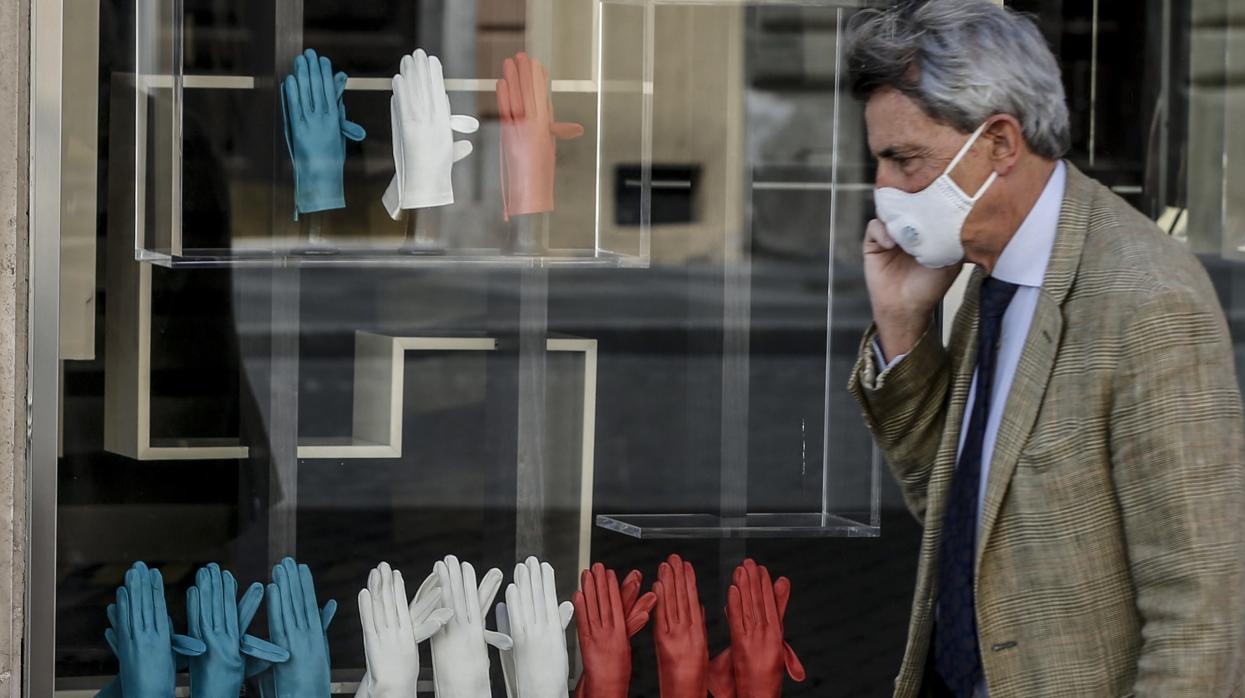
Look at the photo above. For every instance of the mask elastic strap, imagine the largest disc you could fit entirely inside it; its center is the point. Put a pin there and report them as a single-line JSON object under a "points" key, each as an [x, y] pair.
{"points": [[989, 180], [964, 151]]}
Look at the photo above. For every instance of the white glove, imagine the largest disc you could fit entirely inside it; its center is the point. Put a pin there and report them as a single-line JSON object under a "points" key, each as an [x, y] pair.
{"points": [[424, 149], [460, 664], [392, 633], [538, 667]]}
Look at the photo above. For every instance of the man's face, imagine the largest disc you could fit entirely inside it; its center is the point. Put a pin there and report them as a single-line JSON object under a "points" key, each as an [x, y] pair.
{"points": [[912, 149]]}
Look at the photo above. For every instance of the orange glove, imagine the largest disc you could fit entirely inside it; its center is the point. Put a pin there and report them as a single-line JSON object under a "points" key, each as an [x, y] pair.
{"points": [[608, 618], [722, 667], [529, 137], [682, 643], [758, 651]]}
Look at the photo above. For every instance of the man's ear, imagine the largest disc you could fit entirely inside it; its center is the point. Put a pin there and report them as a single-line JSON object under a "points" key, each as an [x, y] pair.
{"points": [[1007, 143]]}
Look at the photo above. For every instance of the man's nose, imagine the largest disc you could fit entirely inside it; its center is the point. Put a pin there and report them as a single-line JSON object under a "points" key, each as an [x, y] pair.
{"points": [[885, 176]]}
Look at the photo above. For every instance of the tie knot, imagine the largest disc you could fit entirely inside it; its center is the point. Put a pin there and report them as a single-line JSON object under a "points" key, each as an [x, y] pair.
{"points": [[995, 296]]}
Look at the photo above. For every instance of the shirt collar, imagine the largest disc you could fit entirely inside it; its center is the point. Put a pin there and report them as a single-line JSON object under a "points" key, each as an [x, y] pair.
{"points": [[1025, 258]]}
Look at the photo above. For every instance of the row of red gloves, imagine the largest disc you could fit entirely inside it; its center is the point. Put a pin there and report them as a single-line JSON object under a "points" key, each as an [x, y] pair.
{"points": [[609, 614]]}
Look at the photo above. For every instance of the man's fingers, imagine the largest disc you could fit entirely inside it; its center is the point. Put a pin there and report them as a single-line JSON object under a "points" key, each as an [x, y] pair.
{"points": [[877, 237]]}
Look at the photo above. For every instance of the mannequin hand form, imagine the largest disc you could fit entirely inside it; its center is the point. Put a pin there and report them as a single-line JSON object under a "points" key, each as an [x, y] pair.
{"points": [[142, 638], [722, 668], [609, 616], [392, 633], [215, 617], [460, 664], [679, 633], [902, 292], [529, 136], [296, 624]]}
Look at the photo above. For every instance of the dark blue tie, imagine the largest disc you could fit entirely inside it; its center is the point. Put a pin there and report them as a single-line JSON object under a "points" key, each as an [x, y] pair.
{"points": [[957, 656]]}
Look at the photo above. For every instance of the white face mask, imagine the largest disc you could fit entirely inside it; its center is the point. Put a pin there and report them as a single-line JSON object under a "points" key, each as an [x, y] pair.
{"points": [[927, 224]]}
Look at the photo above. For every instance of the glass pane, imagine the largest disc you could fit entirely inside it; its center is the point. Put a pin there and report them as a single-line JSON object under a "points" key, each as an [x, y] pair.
{"points": [[654, 365]]}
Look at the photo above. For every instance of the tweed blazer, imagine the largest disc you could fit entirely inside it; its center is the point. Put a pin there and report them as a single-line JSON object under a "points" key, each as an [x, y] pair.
{"points": [[1111, 554]]}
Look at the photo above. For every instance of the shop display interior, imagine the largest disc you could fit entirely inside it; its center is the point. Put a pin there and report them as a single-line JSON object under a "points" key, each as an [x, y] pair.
{"points": [[626, 334]]}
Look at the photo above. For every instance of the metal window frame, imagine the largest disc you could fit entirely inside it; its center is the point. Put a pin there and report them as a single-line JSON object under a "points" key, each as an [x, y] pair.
{"points": [[43, 363]]}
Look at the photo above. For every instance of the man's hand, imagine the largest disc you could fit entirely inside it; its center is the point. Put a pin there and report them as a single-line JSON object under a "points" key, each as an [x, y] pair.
{"points": [[903, 293]]}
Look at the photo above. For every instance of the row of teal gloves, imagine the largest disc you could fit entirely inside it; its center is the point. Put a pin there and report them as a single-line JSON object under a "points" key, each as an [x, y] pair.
{"points": [[218, 652]]}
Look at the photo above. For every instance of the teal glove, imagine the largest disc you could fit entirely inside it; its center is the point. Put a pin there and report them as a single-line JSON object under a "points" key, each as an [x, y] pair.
{"points": [[297, 624], [315, 132], [141, 636], [263, 670], [183, 647], [217, 618]]}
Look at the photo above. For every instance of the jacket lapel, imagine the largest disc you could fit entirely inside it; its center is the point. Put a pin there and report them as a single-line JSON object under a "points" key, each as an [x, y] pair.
{"points": [[1037, 360]]}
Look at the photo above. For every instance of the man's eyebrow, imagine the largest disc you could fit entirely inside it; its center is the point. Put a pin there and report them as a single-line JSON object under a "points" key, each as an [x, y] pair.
{"points": [[894, 151]]}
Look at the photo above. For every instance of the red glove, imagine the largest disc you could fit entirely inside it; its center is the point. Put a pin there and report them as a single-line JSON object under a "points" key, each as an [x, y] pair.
{"points": [[608, 618], [682, 643], [722, 667], [529, 136], [758, 652]]}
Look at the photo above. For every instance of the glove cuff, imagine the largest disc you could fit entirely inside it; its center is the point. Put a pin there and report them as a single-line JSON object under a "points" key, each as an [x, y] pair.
{"points": [[415, 197]]}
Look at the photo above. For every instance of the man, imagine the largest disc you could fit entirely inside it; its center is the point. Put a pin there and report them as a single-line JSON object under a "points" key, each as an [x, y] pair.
{"points": [[1075, 453]]}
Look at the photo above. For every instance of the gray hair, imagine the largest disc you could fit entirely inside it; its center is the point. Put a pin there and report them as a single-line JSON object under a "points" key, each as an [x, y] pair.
{"points": [[963, 61]]}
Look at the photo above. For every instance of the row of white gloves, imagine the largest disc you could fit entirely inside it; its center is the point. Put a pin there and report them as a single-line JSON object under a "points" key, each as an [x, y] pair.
{"points": [[449, 610]]}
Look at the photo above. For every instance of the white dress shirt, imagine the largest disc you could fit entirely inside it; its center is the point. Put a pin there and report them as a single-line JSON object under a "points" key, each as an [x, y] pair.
{"points": [[1023, 263]]}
